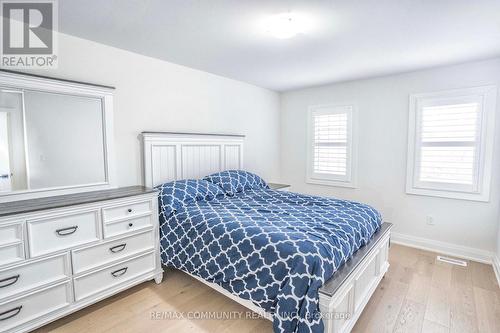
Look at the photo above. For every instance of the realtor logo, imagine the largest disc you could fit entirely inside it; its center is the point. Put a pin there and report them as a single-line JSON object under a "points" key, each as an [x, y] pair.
{"points": [[28, 34]]}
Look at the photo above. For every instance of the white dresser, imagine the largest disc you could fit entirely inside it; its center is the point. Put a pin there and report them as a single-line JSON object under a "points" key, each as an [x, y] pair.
{"points": [[60, 254]]}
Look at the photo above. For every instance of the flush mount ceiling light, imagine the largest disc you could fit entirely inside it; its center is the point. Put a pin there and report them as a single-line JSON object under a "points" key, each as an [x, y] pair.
{"points": [[285, 25]]}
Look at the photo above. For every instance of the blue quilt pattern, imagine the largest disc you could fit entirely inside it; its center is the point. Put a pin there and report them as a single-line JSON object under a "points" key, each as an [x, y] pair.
{"points": [[273, 248]]}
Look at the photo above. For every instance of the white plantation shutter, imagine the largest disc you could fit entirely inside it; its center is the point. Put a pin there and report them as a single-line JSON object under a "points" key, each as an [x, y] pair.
{"points": [[449, 143], [330, 145]]}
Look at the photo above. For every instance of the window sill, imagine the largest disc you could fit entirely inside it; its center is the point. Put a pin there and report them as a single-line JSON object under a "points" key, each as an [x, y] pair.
{"points": [[482, 197], [333, 183]]}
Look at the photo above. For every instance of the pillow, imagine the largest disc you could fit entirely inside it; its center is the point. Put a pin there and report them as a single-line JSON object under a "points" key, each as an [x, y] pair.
{"points": [[235, 181], [176, 194]]}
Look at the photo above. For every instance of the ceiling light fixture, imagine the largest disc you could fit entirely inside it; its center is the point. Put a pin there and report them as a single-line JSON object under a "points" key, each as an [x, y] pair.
{"points": [[285, 25]]}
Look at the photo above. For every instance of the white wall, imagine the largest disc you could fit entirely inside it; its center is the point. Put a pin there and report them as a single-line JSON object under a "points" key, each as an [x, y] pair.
{"points": [[382, 133], [498, 240], [154, 95]]}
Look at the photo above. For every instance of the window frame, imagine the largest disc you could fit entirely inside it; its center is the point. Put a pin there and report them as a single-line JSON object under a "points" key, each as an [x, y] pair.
{"points": [[349, 180], [478, 191]]}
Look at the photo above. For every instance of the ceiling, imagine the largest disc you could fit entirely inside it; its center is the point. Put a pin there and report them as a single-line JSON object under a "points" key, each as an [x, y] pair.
{"points": [[347, 39]]}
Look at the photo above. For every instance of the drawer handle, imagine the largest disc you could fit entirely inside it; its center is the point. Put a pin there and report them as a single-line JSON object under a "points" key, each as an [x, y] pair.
{"points": [[67, 231], [130, 210], [119, 272], [12, 279], [14, 310], [117, 248]]}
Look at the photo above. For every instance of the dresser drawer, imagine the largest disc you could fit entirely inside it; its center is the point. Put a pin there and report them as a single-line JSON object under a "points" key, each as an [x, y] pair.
{"points": [[127, 211], [27, 308], [102, 254], [52, 234], [11, 253], [33, 274], [11, 233], [107, 278], [112, 229]]}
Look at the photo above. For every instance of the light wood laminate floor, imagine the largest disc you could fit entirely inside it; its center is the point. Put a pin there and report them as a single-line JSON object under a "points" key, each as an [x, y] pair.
{"points": [[418, 294]]}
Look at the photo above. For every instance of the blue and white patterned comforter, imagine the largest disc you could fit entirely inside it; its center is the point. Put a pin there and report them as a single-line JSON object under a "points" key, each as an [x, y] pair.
{"points": [[273, 248]]}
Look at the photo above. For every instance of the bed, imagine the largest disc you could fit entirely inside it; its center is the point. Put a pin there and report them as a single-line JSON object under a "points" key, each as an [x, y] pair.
{"points": [[310, 262]]}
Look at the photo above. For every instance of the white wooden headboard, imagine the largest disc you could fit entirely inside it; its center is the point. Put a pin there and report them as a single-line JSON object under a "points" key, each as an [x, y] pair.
{"points": [[175, 156]]}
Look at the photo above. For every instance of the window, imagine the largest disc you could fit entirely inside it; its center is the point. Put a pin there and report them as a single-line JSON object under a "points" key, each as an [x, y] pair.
{"points": [[330, 146], [450, 143]]}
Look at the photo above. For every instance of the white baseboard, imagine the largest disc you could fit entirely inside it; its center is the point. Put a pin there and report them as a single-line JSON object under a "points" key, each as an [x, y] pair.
{"points": [[496, 267], [454, 250]]}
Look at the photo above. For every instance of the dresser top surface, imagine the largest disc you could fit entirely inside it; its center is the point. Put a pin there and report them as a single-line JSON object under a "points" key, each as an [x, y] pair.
{"points": [[33, 205]]}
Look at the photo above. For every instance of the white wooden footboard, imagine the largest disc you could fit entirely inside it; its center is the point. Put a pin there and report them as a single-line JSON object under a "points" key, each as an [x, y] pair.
{"points": [[341, 302]]}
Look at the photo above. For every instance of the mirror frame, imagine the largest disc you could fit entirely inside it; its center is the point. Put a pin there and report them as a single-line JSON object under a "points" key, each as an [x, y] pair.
{"points": [[22, 81]]}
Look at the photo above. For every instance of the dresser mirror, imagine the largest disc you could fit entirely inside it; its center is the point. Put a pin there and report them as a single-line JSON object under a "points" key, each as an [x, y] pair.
{"points": [[55, 136]]}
